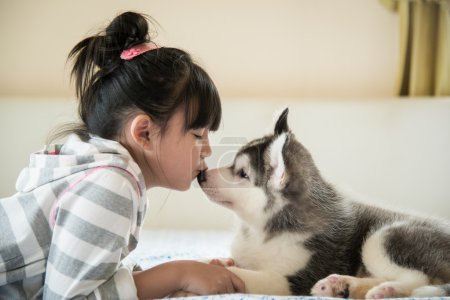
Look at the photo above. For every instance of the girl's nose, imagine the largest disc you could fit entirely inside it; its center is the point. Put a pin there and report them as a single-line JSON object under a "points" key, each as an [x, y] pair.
{"points": [[206, 149]]}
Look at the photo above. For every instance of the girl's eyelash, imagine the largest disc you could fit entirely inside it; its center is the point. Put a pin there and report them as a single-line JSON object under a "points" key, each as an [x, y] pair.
{"points": [[198, 133]]}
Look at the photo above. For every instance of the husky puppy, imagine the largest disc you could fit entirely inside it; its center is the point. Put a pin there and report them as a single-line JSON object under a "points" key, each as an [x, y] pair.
{"points": [[297, 230]]}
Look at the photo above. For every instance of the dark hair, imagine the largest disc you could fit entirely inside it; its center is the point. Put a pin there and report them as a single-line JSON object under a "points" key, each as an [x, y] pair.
{"points": [[157, 82]]}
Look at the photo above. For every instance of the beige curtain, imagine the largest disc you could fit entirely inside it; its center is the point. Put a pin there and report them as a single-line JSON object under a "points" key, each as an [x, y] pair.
{"points": [[424, 46]]}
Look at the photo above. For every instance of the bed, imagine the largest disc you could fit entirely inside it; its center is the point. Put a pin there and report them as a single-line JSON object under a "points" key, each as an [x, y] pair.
{"points": [[161, 245]]}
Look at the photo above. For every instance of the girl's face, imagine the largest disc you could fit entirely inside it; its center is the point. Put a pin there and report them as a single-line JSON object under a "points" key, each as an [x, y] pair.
{"points": [[177, 157]]}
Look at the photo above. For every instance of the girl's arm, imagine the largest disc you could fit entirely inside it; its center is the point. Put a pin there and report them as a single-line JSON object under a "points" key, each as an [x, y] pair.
{"points": [[92, 229], [188, 276], [93, 226]]}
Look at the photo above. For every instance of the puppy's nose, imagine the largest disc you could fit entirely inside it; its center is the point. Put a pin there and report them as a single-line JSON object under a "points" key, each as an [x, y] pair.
{"points": [[201, 177]]}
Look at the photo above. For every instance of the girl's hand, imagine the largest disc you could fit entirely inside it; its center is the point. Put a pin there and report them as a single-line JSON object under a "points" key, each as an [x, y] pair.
{"points": [[223, 262], [207, 279]]}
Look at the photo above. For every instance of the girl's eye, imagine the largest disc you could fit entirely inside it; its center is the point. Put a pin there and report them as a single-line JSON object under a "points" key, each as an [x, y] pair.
{"points": [[199, 134], [242, 174]]}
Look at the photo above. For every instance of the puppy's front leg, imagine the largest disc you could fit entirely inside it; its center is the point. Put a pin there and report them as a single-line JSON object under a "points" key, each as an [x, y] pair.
{"points": [[262, 282], [256, 282]]}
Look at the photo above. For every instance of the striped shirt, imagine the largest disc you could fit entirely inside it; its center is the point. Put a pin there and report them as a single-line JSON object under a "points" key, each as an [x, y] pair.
{"points": [[76, 215]]}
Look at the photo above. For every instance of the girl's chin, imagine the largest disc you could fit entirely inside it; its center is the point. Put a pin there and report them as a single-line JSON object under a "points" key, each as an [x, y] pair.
{"points": [[177, 186], [183, 186]]}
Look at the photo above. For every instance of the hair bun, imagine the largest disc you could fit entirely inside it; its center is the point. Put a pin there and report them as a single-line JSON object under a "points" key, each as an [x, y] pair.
{"points": [[126, 30]]}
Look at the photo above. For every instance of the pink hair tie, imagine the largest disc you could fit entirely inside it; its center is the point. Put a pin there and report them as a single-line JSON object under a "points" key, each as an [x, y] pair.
{"points": [[134, 51]]}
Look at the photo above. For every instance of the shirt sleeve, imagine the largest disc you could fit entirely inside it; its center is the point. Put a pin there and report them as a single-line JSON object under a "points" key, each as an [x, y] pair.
{"points": [[91, 233]]}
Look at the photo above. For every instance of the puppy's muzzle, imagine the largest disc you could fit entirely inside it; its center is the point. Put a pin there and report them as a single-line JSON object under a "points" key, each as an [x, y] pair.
{"points": [[201, 177]]}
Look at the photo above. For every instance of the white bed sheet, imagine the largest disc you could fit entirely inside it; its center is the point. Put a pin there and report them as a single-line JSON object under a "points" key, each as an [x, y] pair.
{"points": [[159, 246]]}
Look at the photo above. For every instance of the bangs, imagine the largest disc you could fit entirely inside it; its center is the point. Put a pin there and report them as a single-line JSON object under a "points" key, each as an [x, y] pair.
{"points": [[202, 101]]}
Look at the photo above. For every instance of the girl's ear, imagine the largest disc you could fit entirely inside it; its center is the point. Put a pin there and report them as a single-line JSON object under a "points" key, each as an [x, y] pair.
{"points": [[141, 129]]}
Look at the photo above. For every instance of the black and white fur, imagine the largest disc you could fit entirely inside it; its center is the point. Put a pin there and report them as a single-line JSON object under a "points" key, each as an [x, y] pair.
{"points": [[297, 230]]}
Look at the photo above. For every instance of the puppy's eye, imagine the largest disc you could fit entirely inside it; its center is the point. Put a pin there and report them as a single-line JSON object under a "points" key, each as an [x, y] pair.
{"points": [[242, 174]]}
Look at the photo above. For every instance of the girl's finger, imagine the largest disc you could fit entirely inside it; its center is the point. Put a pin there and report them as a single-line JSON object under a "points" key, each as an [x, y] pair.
{"points": [[230, 286], [215, 262], [238, 284], [229, 262]]}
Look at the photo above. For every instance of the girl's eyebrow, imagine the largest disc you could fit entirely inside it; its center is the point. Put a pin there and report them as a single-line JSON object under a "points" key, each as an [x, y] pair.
{"points": [[198, 129]]}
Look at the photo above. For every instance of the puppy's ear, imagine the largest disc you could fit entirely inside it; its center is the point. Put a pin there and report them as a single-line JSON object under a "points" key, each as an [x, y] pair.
{"points": [[278, 177], [282, 125]]}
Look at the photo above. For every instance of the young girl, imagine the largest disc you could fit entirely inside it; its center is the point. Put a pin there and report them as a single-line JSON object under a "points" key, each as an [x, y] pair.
{"points": [[146, 112]]}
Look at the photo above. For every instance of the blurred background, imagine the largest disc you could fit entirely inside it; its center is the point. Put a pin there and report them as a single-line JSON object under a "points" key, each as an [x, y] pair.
{"points": [[254, 48], [367, 83]]}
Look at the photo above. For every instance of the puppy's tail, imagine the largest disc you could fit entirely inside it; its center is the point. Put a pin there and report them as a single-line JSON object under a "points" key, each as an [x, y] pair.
{"points": [[432, 291]]}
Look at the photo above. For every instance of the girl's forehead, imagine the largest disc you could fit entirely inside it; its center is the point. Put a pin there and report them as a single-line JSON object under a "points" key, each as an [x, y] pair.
{"points": [[178, 120], [176, 125]]}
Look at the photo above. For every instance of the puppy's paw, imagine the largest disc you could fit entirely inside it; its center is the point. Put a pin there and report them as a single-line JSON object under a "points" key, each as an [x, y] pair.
{"points": [[386, 290], [332, 286], [223, 262]]}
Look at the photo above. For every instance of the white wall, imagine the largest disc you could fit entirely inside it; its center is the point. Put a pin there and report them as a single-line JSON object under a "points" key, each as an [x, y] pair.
{"points": [[24, 127], [392, 151], [252, 48]]}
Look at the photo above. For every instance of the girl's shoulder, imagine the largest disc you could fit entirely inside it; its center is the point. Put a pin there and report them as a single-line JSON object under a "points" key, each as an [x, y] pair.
{"points": [[99, 154]]}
